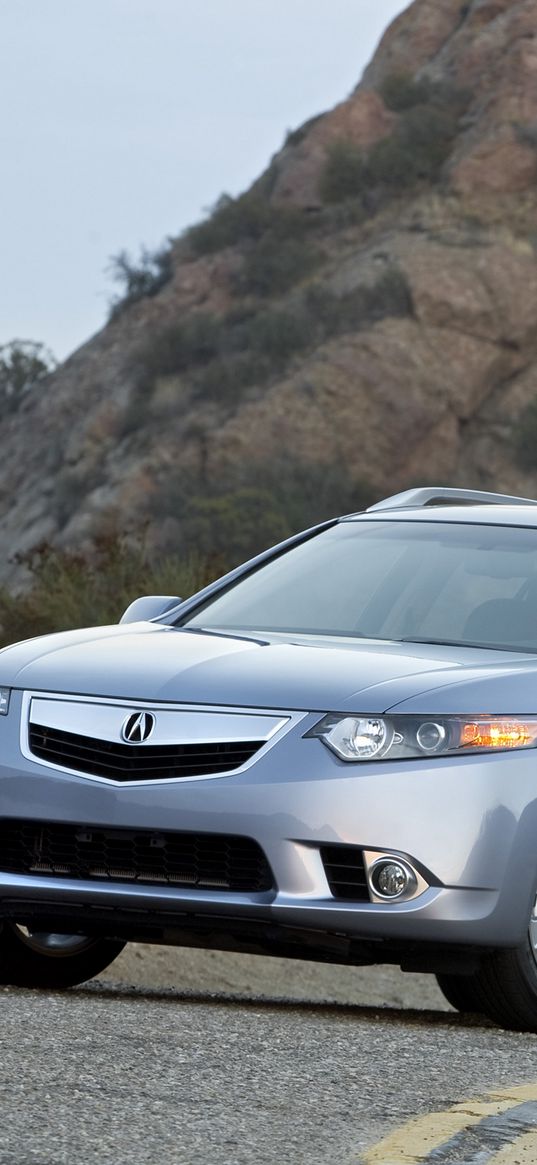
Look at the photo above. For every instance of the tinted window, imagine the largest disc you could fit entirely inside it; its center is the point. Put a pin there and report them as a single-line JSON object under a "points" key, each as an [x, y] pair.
{"points": [[393, 580]]}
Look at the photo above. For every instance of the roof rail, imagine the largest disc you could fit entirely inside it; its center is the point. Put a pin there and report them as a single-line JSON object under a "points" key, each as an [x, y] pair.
{"points": [[440, 496]]}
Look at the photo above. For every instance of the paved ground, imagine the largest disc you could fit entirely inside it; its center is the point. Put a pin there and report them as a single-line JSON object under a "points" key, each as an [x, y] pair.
{"points": [[242, 1063], [110, 1076]]}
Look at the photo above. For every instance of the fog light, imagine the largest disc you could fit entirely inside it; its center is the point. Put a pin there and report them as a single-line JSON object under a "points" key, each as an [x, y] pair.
{"points": [[391, 879]]}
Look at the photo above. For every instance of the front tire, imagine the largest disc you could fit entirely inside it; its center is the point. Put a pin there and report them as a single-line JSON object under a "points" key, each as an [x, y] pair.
{"points": [[461, 992], [505, 986], [32, 958]]}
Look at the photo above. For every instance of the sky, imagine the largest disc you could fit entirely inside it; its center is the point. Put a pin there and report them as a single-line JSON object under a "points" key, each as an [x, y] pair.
{"points": [[122, 121]]}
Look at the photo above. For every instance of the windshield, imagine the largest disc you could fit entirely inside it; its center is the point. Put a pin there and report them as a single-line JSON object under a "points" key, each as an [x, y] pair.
{"points": [[405, 581]]}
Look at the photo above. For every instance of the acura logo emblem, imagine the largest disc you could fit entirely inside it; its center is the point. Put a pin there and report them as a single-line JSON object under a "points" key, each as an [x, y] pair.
{"points": [[138, 727]]}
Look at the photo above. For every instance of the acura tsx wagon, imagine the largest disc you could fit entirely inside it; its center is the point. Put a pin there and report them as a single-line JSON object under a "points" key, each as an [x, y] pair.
{"points": [[328, 754]]}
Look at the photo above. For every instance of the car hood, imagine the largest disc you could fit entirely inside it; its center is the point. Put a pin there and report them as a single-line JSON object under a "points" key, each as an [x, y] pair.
{"points": [[154, 662]]}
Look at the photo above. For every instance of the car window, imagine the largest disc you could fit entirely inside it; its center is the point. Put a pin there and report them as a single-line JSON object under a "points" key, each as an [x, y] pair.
{"points": [[393, 580]]}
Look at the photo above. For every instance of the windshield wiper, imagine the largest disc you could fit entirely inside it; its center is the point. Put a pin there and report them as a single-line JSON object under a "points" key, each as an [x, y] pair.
{"points": [[462, 643], [222, 635]]}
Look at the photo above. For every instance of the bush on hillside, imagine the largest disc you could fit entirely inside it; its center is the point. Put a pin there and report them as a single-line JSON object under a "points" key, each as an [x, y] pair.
{"points": [[262, 348], [244, 219], [202, 339], [525, 438], [234, 525], [526, 133], [69, 589], [294, 137], [141, 278], [345, 173], [277, 334], [308, 492], [254, 353], [227, 378], [220, 358], [389, 295], [415, 151], [24, 364], [173, 348], [255, 504], [401, 91], [274, 265]]}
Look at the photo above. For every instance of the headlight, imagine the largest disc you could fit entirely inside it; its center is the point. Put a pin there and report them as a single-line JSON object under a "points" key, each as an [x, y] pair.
{"points": [[359, 738], [4, 701]]}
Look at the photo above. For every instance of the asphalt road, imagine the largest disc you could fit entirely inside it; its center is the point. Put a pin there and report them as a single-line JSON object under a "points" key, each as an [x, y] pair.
{"points": [[116, 1073]]}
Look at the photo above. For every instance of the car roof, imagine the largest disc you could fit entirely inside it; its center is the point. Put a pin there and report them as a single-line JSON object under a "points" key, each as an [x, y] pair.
{"points": [[489, 515], [453, 504]]}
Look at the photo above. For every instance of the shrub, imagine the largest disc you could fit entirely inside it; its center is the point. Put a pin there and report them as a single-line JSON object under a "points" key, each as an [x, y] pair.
{"points": [[253, 352], [308, 493], [244, 219], [401, 91], [139, 279], [345, 173], [254, 505], [72, 486], [220, 358], [260, 347], [231, 221], [74, 590], [296, 136], [253, 346], [277, 334], [391, 164], [525, 437], [275, 265], [415, 151], [526, 133], [226, 378], [235, 525], [389, 295], [172, 349], [24, 364]]}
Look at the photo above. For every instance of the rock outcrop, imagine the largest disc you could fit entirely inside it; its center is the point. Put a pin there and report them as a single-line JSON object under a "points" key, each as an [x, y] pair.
{"points": [[430, 380]]}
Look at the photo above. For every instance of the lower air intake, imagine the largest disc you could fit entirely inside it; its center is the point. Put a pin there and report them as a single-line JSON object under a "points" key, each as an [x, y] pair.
{"points": [[345, 872], [205, 861]]}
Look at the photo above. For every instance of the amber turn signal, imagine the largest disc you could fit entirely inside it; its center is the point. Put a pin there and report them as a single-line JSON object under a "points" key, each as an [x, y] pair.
{"points": [[498, 734]]}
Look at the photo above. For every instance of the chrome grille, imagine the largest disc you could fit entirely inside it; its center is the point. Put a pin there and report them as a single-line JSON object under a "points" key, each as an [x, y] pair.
{"points": [[196, 860], [142, 762]]}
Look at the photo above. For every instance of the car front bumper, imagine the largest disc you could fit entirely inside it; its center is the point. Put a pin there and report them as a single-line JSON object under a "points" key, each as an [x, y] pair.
{"points": [[468, 824]]}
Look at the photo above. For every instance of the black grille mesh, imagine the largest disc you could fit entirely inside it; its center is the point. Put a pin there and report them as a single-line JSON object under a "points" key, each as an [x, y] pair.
{"points": [[203, 860], [137, 762], [345, 872]]}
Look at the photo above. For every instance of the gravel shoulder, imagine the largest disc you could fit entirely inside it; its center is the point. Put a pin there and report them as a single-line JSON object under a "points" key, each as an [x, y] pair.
{"points": [[254, 976]]}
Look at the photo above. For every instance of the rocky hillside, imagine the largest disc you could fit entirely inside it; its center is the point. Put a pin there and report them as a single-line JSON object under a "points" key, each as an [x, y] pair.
{"points": [[364, 318]]}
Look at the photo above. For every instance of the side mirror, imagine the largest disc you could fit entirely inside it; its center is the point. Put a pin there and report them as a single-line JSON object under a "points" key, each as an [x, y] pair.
{"points": [[149, 607]]}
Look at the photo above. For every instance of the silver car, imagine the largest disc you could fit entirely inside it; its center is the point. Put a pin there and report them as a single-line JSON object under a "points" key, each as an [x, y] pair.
{"points": [[329, 754]]}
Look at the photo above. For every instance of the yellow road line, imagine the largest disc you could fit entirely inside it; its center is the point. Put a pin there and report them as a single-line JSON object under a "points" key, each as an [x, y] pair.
{"points": [[411, 1143]]}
